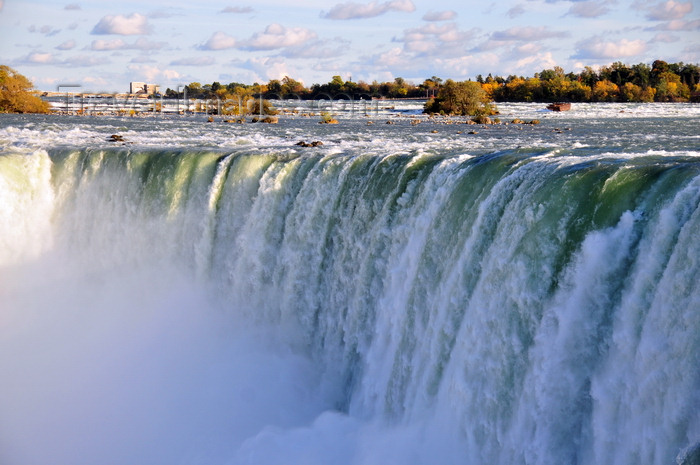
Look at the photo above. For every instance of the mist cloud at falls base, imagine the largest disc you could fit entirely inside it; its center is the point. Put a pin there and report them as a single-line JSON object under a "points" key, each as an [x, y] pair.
{"points": [[208, 308], [136, 367]]}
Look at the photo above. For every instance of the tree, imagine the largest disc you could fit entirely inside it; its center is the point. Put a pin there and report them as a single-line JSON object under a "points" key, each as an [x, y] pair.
{"points": [[398, 88], [589, 77], [617, 73], [671, 89], [605, 91], [291, 87], [460, 98], [17, 94], [641, 75], [274, 88], [195, 90], [630, 92]]}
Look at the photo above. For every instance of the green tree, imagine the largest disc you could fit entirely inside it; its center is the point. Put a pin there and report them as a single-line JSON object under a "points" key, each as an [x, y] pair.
{"points": [[195, 90], [617, 73], [671, 89], [555, 85], [399, 88], [641, 75], [17, 94], [460, 98], [589, 77], [292, 87], [274, 87]]}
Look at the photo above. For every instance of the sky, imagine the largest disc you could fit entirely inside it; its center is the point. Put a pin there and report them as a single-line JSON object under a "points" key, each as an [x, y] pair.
{"points": [[102, 46]]}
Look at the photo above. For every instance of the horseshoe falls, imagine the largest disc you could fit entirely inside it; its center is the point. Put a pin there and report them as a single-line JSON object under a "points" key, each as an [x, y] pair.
{"points": [[208, 293]]}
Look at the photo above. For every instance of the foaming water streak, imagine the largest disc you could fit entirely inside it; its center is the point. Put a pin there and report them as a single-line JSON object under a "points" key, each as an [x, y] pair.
{"points": [[351, 304]]}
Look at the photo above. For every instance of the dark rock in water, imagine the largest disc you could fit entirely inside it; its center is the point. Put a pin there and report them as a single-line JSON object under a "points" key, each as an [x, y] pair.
{"points": [[316, 143], [267, 119], [115, 138], [482, 119]]}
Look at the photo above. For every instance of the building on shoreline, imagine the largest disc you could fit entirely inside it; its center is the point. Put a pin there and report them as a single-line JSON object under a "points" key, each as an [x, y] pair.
{"points": [[143, 88]]}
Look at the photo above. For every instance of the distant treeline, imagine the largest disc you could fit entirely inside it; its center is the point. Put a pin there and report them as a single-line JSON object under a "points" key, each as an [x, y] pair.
{"points": [[660, 82]]}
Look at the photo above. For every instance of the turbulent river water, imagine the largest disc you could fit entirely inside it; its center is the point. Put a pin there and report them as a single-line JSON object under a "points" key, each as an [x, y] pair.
{"points": [[212, 293]]}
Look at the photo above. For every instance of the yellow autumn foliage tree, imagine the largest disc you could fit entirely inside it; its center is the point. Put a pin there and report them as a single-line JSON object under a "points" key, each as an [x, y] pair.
{"points": [[17, 94], [605, 91]]}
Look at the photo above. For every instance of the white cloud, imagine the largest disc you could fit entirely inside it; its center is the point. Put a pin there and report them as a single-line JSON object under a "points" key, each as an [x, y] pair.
{"points": [[142, 59], [92, 80], [669, 10], [141, 43], [67, 45], [690, 54], [598, 48], [539, 61], [318, 49], [39, 58], [107, 45], [218, 41], [440, 15], [444, 39], [84, 61], [396, 62], [45, 82], [134, 24], [237, 9], [43, 58], [72, 6], [678, 25], [162, 13], [351, 10], [46, 30], [529, 33], [194, 61], [142, 72], [516, 11], [267, 68], [529, 48], [519, 34], [277, 36], [588, 9], [665, 37], [395, 57]]}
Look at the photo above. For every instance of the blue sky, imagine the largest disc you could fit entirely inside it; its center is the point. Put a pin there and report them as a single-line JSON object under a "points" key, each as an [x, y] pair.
{"points": [[102, 46]]}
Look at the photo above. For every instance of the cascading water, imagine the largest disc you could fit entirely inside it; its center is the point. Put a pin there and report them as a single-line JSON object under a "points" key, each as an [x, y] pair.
{"points": [[531, 305]]}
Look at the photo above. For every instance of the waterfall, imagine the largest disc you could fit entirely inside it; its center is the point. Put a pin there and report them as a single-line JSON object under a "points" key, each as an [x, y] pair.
{"points": [[522, 306]]}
